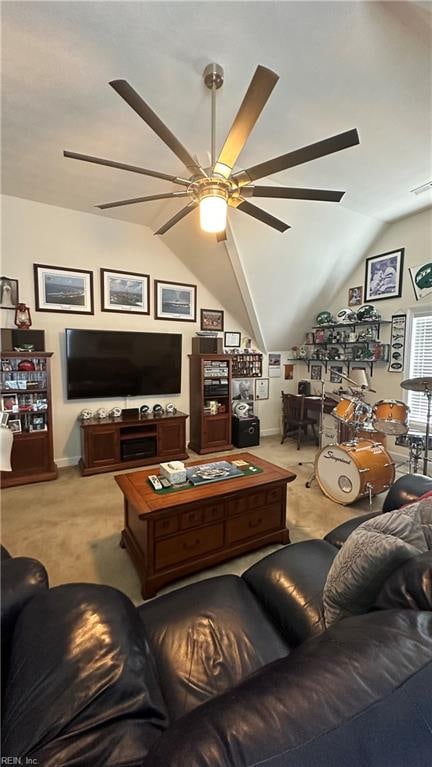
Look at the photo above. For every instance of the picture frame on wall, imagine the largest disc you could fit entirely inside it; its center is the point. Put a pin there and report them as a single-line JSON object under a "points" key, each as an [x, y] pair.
{"points": [[212, 319], [175, 301], [125, 292], [315, 372], [62, 289], [335, 374], [232, 339], [383, 275], [261, 388], [9, 294], [242, 389], [355, 296]]}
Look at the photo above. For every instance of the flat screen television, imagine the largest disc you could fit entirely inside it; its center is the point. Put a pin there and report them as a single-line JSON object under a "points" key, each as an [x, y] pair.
{"points": [[113, 363]]}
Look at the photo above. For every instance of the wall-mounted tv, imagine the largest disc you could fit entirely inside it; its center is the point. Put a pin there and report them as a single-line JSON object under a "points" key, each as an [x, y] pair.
{"points": [[112, 363]]}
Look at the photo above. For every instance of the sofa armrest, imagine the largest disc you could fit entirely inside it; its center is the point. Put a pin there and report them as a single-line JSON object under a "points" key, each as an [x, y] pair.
{"points": [[338, 536], [406, 490], [289, 584]]}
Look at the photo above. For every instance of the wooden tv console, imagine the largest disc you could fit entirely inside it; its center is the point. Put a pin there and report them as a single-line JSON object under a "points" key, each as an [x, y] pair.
{"points": [[170, 535], [121, 443]]}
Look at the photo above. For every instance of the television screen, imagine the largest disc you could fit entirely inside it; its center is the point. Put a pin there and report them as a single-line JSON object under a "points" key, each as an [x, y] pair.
{"points": [[111, 363]]}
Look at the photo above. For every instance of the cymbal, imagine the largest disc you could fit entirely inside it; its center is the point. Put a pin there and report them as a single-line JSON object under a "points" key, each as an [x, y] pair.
{"points": [[423, 383]]}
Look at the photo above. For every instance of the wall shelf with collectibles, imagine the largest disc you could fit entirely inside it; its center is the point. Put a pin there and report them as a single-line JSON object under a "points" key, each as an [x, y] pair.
{"points": [[348, 338]]}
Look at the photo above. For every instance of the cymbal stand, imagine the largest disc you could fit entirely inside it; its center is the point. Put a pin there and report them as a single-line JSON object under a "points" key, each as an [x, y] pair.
{"points": [[320, 433]]}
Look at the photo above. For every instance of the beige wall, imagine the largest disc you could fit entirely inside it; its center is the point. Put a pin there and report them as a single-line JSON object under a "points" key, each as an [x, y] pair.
{"points": [[37, 233]]}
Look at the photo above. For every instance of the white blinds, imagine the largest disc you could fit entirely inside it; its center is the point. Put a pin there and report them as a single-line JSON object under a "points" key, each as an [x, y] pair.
{"points": [[420, 365]]}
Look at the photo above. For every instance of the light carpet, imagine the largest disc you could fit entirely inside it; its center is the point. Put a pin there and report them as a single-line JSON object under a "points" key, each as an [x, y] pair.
{"points": [[73, 524]]}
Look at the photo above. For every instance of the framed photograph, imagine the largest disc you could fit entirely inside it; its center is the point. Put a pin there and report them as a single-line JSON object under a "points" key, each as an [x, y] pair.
{"points": [[315, 372], [242, 389], [383, 275], [4, 417], [261, 388], [15, 425], [60, 289], [38, 423], [10, 403], [232, 340], [8, 293], [212, 319], [126, 292], [289, 372], [355, 296], [175, 301], [335, 371]]}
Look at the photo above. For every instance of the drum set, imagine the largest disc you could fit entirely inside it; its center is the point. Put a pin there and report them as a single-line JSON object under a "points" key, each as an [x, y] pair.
{"points": [[362, 467]]}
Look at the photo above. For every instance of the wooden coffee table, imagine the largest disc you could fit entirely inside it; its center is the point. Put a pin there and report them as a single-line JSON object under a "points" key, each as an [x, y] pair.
{"points": [[171, 535]]}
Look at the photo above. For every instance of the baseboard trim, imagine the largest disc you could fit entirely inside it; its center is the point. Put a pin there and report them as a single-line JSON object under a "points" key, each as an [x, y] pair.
{"points": [[270, 432], [62, 463]]}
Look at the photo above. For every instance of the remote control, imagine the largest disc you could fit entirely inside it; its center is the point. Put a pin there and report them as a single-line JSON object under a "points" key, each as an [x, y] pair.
{"points": [[165, 482], [155, 482]]}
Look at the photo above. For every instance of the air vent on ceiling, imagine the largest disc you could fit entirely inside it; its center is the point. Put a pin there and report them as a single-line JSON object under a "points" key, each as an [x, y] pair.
{"points": [[422, 188]]}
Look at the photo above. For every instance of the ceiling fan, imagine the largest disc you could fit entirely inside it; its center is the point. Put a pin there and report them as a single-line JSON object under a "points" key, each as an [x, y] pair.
{"points": [[215, 188]]}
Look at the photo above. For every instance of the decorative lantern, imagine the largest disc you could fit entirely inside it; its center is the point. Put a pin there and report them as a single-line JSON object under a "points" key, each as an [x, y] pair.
{"points": [[22, 317]]}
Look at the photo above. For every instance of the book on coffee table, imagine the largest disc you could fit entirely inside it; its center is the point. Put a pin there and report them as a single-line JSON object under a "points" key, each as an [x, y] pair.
{"points": [[212, 472]]}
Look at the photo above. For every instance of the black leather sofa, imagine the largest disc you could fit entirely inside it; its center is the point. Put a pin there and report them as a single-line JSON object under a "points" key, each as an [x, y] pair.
{"points": [[226, 672]]}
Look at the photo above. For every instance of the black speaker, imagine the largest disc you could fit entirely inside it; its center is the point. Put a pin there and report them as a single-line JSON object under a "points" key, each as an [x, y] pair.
{"points": [[304, 387], [245, 431]]}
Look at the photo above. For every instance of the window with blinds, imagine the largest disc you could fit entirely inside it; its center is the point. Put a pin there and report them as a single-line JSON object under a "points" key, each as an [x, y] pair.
{"points": [[420, 365]]}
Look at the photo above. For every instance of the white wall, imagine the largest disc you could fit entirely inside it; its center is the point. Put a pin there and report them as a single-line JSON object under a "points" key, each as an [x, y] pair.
{"points": [[414, 233], [38, 233]]}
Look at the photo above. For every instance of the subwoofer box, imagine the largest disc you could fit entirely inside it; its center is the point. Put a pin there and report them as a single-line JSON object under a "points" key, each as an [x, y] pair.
{"points": [[245, 431], [12, 337], [207, 345]]}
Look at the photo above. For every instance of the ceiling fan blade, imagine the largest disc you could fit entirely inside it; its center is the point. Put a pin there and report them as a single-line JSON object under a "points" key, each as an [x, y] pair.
{"points": [[292, 193], [262, 215], [260, 88], [149, 198], [178, 217], [298, 157], [135, 101], [221, 236], [123, 166]]}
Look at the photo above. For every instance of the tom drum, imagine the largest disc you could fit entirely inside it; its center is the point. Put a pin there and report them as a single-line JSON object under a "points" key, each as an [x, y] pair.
{"points": [[346, 472], [390, 416]]}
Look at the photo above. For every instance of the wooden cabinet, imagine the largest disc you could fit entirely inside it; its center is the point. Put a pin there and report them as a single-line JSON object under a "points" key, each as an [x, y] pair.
{"points": [[210, 402], [26, 397], [121, 443]]}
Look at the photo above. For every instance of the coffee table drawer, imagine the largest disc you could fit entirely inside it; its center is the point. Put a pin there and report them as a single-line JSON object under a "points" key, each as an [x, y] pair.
{"points": [[253, 523], [166, 526], [189, 545], [191, 518], [237, 505], [214, 512]]}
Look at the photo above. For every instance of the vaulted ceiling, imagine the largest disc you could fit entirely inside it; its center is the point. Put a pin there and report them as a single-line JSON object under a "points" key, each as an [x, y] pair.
{"points": [[342, 65]]}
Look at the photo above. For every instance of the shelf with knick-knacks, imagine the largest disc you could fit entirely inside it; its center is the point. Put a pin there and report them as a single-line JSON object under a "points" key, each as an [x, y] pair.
{"points": [[348, 344]]}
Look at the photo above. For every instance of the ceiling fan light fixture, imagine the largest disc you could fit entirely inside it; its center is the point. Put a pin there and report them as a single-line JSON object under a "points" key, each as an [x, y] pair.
{"points": [[213, 206]]}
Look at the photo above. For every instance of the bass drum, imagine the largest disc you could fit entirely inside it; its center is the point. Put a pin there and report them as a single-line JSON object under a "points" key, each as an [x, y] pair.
{"points": [[345, 472]]}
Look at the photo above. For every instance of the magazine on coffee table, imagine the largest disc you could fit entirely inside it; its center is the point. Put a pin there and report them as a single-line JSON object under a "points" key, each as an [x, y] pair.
{"points": [[212, 472]]}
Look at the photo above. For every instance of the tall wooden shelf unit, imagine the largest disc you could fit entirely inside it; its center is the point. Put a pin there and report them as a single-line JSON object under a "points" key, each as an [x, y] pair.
{"points": [[210, 380], [32, 456]]}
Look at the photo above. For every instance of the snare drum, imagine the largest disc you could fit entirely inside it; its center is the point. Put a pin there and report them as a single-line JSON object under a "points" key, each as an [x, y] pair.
{"points": [[346, 472], [391, 416]]}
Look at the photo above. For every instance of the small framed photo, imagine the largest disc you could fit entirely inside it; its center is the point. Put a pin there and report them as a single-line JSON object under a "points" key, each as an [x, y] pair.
{"points": [[355, 296], [38, 422], [61, 289], [10, 403], [4, 417], [126, 292], [315, 372], [175, 301], [261, 388], [335, 373], [383, 275], [15, 425], [8, 293], [232, 340], [212, 319]]}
